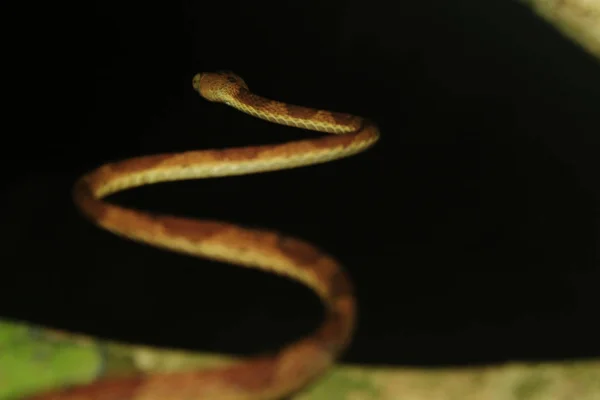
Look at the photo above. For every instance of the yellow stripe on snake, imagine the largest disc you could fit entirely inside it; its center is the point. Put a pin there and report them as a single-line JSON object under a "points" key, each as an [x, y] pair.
{"points": [[266, 377]]}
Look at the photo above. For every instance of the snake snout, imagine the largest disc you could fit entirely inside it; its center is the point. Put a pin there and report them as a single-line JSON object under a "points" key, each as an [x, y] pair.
{"points": [[218, 87], [196, 81], [205, 84]]}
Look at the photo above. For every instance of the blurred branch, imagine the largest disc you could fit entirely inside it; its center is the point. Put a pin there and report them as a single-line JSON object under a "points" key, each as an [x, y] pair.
{"points": [[577, 19], [34, 360]]}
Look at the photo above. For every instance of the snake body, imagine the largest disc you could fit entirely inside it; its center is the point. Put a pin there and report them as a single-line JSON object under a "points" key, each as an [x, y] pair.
{"points": [[263, 377]]}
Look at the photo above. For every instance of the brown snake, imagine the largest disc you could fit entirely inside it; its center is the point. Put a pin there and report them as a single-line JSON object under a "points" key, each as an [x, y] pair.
{"points": [[263, 377]]}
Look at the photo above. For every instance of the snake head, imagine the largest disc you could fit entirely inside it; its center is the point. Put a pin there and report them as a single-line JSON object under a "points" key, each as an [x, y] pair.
{"points": [[218, 86]]}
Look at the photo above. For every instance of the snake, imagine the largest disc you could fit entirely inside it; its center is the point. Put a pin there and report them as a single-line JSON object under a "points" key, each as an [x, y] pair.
{"points": [[295, 366]]}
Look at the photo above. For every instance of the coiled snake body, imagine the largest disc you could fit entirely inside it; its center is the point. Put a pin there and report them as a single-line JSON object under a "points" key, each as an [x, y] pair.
{"points": [[264, 377]]}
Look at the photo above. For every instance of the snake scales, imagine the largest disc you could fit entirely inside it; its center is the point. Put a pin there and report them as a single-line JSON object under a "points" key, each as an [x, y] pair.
{"points": [[263, 377]]}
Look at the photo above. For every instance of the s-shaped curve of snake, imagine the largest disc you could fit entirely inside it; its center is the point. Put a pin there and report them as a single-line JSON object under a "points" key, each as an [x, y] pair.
{"points": [[263, 377]]}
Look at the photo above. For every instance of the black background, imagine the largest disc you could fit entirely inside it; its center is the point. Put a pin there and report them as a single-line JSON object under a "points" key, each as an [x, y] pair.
{"points": [[470, 230]]}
